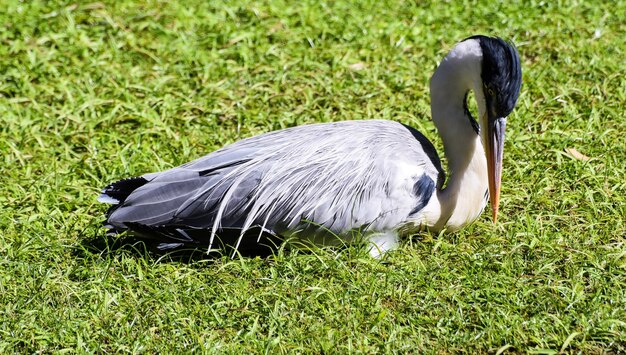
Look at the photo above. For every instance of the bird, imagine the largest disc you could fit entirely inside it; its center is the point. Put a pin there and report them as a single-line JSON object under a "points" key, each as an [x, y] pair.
{"points": [[330, 183]]}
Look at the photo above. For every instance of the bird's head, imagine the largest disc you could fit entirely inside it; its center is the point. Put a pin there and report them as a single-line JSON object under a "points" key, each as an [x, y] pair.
{"points": [[501, 76]]}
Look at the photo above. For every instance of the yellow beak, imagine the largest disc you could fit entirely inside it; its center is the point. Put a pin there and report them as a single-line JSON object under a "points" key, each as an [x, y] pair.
{"points": [[495, 152]]}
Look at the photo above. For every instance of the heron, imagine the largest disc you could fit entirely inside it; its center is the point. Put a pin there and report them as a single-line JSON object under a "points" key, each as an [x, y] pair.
{"points": [[322, 182]]}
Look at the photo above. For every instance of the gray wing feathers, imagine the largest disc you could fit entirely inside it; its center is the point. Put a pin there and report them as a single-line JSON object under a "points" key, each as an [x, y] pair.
{"points": [[338, 176], [153, 203]]}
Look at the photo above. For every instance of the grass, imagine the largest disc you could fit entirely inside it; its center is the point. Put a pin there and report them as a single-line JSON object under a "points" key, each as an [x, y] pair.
{"points": [[94, 91]]}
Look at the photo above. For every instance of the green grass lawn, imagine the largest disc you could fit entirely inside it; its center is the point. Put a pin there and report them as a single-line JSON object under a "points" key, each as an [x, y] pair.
{"points": [[94, 91]]}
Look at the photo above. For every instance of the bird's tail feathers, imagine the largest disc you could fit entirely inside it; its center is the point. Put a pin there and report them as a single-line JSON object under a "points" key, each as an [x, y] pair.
{"points": [[118, 191]]}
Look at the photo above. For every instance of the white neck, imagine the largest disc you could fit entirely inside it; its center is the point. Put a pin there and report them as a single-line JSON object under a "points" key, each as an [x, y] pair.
{"points": [[463, 198]]}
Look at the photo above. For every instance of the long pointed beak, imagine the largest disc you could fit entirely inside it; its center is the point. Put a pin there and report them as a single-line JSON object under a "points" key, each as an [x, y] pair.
{"points": [[495, 152]]}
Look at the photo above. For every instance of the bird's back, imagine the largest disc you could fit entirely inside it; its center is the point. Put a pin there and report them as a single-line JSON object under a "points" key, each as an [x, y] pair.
{"points": [[312, 179]]}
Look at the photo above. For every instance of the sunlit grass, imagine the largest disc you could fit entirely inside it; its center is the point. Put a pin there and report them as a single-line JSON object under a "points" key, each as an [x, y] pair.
{"points": [[94, 91]]}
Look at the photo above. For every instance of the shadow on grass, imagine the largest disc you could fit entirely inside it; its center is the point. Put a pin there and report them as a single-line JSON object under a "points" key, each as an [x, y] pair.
{"points": [[104, 245], [253, 244]]}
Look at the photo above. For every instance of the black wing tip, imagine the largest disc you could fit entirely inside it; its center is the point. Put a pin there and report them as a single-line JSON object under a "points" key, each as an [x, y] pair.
{"points": [[117, 192]]}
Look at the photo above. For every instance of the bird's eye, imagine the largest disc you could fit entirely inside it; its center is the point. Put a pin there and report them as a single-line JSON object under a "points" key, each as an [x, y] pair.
{"points": [[491, 92]]}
